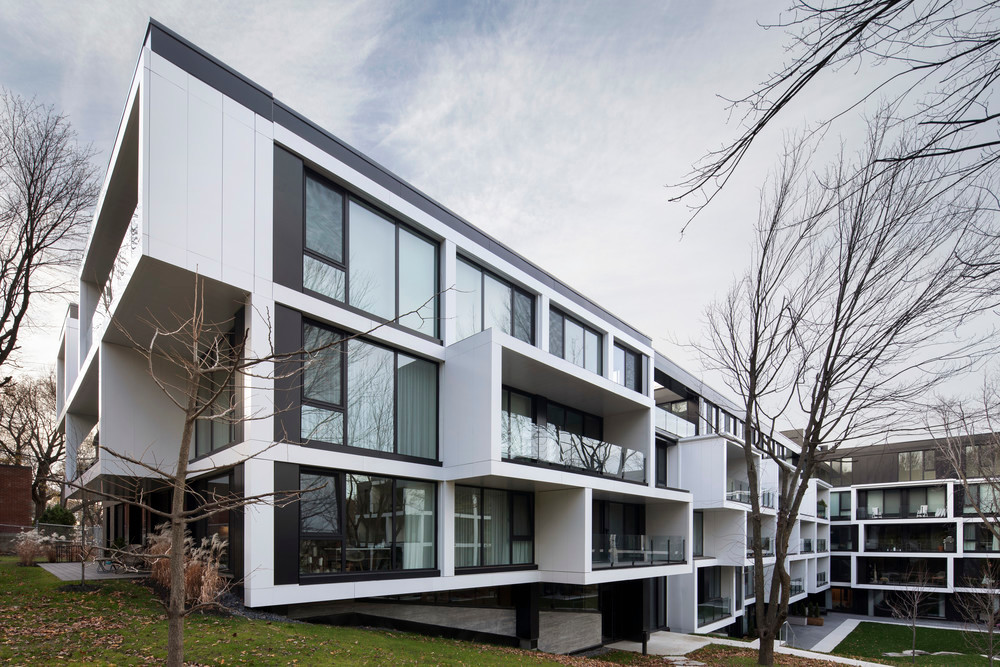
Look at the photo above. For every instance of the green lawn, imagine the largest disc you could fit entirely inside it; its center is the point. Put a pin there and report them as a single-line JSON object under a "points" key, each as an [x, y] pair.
{"points": [[121, 623], [870, 640]]}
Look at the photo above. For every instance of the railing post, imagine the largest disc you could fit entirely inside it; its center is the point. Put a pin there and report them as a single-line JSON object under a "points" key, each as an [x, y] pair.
{"points": [[612, 550]]}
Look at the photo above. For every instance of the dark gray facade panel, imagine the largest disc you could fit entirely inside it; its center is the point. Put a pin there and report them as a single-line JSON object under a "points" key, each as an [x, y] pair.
{"points": [[287, 225], [165, 42], [288, 380], [286, 525]]}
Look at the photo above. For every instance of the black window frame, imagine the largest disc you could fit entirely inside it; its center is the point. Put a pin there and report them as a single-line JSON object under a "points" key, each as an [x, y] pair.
{"points": [[639, 368], [340, 477], [558, 312], [235, 424], [344, 388], [512, 536], [347, 197], [514, 291]]}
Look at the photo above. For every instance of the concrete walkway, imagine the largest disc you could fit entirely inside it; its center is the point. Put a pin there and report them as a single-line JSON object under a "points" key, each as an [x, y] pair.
{"points": [[71, 572], [677, 644]]}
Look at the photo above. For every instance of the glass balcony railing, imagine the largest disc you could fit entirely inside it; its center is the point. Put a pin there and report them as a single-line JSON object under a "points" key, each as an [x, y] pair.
{"points": [[821, 511], [712, 610], [945, 545], [738, 491], [796, 586], [529, 442], [821, 578], [767, 546], [807, 546], [636, 550], [672, 423], [821, 545]]}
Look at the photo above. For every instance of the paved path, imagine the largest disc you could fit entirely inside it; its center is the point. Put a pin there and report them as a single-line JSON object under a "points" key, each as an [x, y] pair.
{"points": [[71, 572], [677, 644]]}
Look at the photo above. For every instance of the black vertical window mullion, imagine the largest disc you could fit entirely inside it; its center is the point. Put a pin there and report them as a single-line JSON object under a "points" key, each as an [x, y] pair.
{"points": [[345, 206], [395, 384], [396, 287]]}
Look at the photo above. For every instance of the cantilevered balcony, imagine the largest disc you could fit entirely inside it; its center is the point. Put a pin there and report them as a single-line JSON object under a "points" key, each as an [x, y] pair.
{"points": [[535, 444], [612, 550], [713, 609]]}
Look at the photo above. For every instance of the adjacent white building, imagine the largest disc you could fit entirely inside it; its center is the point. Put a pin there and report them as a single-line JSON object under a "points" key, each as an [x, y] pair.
{"points": [[488, 440]]}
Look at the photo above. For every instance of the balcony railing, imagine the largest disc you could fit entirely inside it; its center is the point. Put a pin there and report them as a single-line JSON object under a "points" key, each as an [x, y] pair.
{"points": [[547, 444], [918, 512], [821, 578], [807, 546], [672, 423], [821, 545], [907, 578], [635, 550], [766, 545], [946, 545], [738, 491], [712, 610], [796, 587], [821, 511]]}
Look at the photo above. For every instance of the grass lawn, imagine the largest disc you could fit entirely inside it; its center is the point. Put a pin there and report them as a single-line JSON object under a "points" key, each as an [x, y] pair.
{"points": [[121, 623], [871, 640]]}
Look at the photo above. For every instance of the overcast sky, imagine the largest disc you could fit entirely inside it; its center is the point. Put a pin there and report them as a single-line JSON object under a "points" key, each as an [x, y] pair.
{"points": [[555, 127]]}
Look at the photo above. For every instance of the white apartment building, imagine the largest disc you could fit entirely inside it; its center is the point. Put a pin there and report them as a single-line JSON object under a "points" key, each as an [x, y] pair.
{"points": [[496, 453]]}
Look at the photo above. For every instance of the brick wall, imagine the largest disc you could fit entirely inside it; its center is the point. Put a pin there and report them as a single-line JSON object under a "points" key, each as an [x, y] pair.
{"points": [[15, 495]]}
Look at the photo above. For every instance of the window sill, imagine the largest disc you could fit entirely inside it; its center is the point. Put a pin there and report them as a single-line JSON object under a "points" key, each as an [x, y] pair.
{"points": [[345, 577], [491, 569]]}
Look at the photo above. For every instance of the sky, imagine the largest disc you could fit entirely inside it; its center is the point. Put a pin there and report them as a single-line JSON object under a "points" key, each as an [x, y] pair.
{"points": [[555, 127]]}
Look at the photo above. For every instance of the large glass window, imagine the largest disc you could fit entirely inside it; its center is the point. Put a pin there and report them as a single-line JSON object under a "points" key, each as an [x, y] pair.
{"points": [[493, 527], [363, 523], [485, 300], [698, 534], [915, 466], [389, 270], [628, 368], [575, 342], [391, 397]]}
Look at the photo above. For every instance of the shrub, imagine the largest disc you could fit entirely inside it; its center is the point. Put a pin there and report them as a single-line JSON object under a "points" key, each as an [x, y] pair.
{"points": [[28, 546], [57, 514]]}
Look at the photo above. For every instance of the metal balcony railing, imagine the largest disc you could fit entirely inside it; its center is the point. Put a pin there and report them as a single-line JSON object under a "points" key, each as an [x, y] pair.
{"points": [[547, 444], [611, 550]]}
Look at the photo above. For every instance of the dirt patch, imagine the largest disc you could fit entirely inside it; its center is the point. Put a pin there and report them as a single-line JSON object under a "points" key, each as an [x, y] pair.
{"points": [[79, 588]]}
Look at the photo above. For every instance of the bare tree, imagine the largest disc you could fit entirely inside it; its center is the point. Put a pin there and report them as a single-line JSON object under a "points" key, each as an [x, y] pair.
{"points": [[29, 434], [981, 611], [47, 193], [940, 62], [906, 603], [852, 310]]}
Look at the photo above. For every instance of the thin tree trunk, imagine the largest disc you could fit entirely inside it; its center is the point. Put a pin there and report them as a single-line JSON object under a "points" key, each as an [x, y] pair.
{"points": [[913, 649], [175, 605]]}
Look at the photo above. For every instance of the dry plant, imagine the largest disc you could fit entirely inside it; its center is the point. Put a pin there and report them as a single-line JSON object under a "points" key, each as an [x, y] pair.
{"points": [[28, 546]]}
